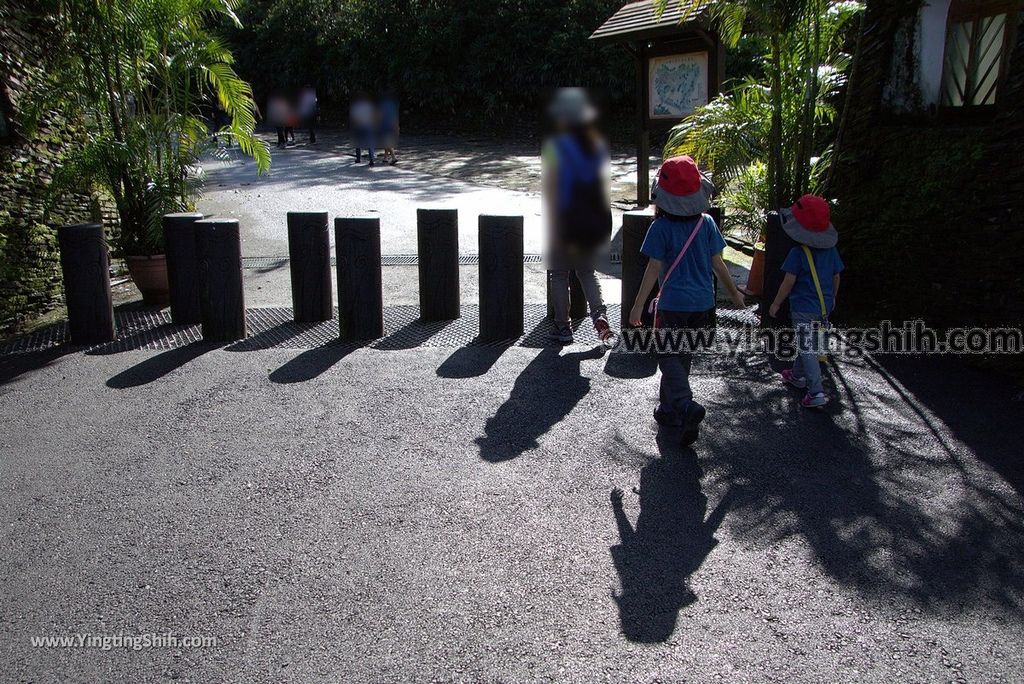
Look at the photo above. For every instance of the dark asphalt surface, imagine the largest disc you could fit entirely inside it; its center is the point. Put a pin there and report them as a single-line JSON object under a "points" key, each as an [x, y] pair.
{"points": [[445, 514]]}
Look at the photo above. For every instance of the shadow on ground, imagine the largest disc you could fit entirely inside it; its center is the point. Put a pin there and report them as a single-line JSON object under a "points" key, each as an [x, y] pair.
{"points": [[543, 394], [156, 367], [888, 501], [672, 537], [13, 366], [311, 364]]}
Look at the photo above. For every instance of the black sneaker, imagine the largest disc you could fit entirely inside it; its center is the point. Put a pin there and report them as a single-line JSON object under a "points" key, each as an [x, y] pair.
{"points": [[667, 418], [691, 422], [562, 335]]}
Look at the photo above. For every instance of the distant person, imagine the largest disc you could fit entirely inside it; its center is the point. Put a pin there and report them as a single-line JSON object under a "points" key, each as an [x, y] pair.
{"points": [[309, 110], [684, 250], [221, 122], [577, 203], [279, 116], [291, 121], [363, 116], [811, 284], [389, 127]]}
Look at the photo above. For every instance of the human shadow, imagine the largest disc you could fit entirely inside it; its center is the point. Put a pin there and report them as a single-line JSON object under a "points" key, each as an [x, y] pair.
{"points": [[313, 363], [158, 366], [544, 393], [673, 535]]}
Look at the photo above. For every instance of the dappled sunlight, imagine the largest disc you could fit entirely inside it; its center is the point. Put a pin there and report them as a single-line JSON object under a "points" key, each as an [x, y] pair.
{"points": [[888, 501]]}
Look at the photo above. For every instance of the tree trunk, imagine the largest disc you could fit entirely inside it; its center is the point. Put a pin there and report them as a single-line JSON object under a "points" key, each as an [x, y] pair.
{"points": [[776, 160]]}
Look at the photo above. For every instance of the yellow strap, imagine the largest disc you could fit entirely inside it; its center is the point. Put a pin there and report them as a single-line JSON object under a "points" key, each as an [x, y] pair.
{"points": [[817, 283]]}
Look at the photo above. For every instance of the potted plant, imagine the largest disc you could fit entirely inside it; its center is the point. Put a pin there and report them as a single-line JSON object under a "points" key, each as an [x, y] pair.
{"points": [[143, 78]]}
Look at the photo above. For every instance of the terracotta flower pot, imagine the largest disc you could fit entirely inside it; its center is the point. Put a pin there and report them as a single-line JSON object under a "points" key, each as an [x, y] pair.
{"points": [[755, 280], [150, 276]]}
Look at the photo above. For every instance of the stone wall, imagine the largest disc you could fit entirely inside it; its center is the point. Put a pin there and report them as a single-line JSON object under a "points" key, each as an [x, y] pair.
{"points": [[30, 282], [929, 209]]}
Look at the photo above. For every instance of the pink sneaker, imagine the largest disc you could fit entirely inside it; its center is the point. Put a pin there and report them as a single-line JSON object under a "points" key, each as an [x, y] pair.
{"points": [[604, 331], [814, 400], [790, 379]]}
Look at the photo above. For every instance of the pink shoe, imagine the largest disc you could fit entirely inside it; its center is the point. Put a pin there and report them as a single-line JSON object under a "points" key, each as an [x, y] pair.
{"points": [[814, 400], [790, 379], [604, 331]]}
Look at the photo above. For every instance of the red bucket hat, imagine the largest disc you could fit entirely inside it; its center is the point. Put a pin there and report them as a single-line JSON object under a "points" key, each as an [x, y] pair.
{"points": [[680, 188], [809, 222]]}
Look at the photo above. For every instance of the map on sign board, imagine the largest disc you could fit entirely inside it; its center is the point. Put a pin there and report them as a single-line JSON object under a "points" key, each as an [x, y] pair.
{"points": [[678, 84]]}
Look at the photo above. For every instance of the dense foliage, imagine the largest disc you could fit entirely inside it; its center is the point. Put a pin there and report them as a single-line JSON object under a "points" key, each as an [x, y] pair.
{"points": [[142, 77], [458, 60], [769, 140]]}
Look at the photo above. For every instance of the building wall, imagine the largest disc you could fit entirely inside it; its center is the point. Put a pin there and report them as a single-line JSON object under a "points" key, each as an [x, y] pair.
{"points": [[30, 282], [929, 211]]}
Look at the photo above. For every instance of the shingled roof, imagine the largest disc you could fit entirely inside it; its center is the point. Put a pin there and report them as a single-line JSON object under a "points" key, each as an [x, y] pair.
{"points": [[638, 21]]}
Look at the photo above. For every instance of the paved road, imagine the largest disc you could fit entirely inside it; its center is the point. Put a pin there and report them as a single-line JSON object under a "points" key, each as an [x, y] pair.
{"points": [[325, 177], [444, 515], [414, 513]]}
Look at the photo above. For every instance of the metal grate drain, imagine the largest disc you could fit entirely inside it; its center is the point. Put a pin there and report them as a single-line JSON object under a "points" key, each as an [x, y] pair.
{"points": [[274, 262], [273, 328]]}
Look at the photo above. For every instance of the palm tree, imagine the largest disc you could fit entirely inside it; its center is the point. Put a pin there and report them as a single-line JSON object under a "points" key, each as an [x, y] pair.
{"points": [[141, 76], [778, 122]]}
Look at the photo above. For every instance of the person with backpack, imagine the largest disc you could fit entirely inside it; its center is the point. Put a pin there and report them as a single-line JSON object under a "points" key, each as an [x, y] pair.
{"points": [[363, 115], [684, 249], [576, 198], [811, 284]]}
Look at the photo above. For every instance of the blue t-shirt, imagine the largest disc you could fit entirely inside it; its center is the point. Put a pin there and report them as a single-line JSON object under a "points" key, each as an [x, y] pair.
{"points": [[804, 297], [691, 286]]}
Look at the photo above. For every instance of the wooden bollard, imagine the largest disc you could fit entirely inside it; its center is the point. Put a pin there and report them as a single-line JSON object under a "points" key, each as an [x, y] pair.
{"points": [[777, 246], [634, 229], [437, 241], [716, 214], [501, 278], [182, 267], [577, 299], [221, 296], [85, 263], [360, 291], [309, 258]]}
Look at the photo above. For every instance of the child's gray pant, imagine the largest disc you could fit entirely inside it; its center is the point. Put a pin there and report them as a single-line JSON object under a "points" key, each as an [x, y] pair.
{"points": [[806, 364]]}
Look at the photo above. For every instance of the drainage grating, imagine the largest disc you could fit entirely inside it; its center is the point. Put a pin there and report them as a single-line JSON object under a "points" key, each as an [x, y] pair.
{"points": [[275, 262], [273, 328]]}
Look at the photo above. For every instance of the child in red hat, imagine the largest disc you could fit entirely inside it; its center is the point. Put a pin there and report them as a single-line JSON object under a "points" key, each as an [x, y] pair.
{"points": [[811, 285], [684, 248]]}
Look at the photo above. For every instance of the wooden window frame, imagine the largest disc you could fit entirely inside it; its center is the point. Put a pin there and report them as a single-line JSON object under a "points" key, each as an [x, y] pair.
{"points": [[961, 11]]}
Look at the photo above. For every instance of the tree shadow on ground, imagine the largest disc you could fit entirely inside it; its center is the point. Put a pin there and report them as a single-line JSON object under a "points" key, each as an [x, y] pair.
{"points": [[985, 412], [544, 393], [886, 499], [306, 168], [672, 537]]}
